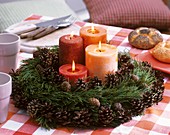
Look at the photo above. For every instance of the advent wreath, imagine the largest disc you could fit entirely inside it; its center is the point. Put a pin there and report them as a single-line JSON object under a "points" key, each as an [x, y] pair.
{"points": [[52, 102]]}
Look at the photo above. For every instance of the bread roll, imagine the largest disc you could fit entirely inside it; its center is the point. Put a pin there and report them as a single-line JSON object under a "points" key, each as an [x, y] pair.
{"points": [[161, 52], [145, 38]]}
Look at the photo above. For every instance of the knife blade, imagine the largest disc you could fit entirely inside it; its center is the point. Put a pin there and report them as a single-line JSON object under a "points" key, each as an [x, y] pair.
{"points": [[29, 27]]}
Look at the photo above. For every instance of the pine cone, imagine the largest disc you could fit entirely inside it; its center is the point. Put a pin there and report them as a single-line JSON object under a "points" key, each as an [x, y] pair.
{"points": [[157, 91], [40, 69], [146, 64], [47, 111], [126, 68], [94, 82], [135, 77], [94, 101], [21, 101], [36, 54], [123, 58], [148, 99], [65, 86], [80, 85], [34, 108], [47, 74], [62, 117], [47, 58], [55, 60], [106, 115], [119, 110], [113, 80], [122, 115], [116, 78], [137, 107], [82, 118], [57, 78]]}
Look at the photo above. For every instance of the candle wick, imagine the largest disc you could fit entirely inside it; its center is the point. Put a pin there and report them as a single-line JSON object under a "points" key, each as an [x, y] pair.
{"points": [[100, 50], [93, 31]]}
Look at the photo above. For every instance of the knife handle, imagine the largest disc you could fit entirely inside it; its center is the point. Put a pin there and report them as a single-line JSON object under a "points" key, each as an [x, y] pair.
{"points": [[21, 29]]}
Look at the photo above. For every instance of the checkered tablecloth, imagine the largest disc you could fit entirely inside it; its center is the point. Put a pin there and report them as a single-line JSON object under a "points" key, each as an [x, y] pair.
{"points": [[155, 121]]}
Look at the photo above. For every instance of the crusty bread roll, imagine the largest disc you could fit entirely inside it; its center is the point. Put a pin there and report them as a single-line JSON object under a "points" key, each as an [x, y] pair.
{"points": [[145, 38], [161, 52]]}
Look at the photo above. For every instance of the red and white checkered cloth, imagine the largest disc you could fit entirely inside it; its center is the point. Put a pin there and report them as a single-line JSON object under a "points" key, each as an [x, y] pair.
{"points": [[155, 121]]}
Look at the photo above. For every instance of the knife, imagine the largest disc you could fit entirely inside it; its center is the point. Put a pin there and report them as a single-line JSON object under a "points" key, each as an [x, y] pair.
{"points": [[30, 27]]}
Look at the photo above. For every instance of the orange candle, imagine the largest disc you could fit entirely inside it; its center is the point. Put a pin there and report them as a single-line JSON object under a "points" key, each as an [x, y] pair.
{"points": [[93, 34], [73, 72], [71, 48], [101, 59]]}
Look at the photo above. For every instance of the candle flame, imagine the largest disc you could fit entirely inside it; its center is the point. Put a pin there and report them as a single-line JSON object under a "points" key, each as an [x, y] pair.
{"points": [[73, 66], [100, 46], [92, 28], [71, 35], [163, 44]]}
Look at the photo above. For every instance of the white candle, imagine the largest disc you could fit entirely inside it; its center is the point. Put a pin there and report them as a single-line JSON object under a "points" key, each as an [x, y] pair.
{"points": [[101, 60]]}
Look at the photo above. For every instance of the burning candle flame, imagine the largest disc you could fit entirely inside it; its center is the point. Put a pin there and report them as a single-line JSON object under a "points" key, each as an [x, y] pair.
{"points": [[73, 66], [92, 29], [100, 46], [71, 35]]}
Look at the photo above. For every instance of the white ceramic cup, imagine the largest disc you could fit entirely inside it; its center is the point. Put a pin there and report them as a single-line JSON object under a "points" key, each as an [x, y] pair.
{"points": [[9, 48], [5, 92]]}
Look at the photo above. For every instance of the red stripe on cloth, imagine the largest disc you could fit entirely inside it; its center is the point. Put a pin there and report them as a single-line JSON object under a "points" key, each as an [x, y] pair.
{"points": [[4, 131], [81, 24], [20, 133], [150, 117], [130, 123], [167, 85], [28, 129], [33, 17], [145, 125], [116, 40], [113, 42], [138, 131], [63, 131], [12, 107], [126, 44], [32, 122], [20, 118], [166, 99], [10, 114], [102, 132], [153, 111], [123, 32]]}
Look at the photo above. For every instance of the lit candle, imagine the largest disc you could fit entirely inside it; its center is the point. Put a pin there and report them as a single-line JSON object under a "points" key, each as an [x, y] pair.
{"points": [[93, 34], [73, 72], [101, 59], [71, 47]]}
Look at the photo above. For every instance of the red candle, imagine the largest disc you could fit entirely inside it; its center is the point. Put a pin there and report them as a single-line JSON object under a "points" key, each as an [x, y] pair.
{"points": [[71, 48], [73, 72]]}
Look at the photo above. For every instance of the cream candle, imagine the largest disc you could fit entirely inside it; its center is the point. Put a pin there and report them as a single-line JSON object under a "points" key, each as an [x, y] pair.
{"points": [[93, 34], [101, 59]]}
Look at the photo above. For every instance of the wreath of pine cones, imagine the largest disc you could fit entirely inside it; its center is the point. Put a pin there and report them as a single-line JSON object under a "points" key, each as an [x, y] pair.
{"points": [[51, 101]]}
